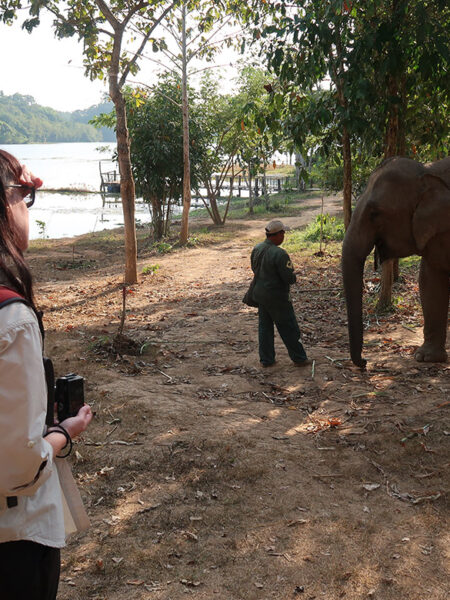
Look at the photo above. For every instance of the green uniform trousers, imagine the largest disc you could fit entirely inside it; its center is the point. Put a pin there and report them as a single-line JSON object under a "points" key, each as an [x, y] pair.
{"points": [[287, 328]]}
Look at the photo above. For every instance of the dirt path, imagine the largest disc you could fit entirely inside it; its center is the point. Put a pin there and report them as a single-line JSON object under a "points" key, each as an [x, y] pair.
{"points": [[207, 476]]}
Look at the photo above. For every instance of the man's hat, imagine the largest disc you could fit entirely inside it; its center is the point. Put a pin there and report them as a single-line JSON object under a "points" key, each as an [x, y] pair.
{"points": [[275, 226]]}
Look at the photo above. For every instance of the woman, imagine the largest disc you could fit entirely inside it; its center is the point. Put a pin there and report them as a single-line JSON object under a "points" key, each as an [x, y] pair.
{"points": [[33, 510]]}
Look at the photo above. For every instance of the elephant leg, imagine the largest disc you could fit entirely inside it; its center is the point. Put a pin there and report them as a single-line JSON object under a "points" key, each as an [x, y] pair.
{"points": [[434, 294]]}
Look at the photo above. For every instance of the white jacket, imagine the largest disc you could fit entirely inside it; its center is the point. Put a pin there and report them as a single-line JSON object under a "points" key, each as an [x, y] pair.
{"points": [[27, 469]]}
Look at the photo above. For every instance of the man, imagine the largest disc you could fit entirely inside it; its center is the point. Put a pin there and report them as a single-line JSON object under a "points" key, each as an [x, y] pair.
{"points": [[271, 292]]}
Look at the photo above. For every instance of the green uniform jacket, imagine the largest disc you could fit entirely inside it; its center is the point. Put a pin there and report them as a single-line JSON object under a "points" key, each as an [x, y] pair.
{"points": [[275, 277]]}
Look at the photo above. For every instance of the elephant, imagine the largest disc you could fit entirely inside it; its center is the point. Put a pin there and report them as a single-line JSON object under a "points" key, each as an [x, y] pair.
{"points": [[404, 210]]}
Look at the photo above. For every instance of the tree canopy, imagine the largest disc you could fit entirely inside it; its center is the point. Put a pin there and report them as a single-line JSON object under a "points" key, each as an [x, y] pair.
{"points": [[387, 63]]}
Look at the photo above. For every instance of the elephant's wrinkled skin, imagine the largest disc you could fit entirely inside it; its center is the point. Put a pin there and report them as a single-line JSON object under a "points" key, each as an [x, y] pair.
{"points": [[404, 210]]}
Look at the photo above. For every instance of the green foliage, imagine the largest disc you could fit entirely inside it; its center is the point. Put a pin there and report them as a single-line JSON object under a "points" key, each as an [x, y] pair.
{"points": [[150, 269], [22, 121], [156, 129], [155, 123], [387, 63], [325, 227], [332, 230], [42, 226], [261, 133], [162, 247]]}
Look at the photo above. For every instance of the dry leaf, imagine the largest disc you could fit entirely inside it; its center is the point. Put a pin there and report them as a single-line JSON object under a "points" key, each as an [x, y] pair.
{"points": [[371, 486]]}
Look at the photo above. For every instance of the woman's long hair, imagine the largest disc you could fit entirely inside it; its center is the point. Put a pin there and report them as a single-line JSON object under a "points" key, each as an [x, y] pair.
{"points": [[21, 281]]}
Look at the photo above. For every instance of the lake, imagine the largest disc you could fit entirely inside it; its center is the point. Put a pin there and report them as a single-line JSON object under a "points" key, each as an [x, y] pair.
{"points": [[66, 167]]}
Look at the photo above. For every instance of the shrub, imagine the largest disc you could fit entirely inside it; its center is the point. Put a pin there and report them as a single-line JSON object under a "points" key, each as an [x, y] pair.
{"points": [[150, 269], [162, 247], [332, 229]]}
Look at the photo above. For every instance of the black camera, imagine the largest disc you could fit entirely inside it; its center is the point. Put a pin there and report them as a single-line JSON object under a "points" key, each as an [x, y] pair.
{"points": [[69, 395], [66, 394]]}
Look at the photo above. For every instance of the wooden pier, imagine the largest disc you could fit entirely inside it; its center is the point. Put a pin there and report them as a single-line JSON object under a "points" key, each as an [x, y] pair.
{"points": [[109, 181]]}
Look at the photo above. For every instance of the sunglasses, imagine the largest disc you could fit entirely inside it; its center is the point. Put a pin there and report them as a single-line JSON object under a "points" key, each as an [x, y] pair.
{"points": [[31, 191]]}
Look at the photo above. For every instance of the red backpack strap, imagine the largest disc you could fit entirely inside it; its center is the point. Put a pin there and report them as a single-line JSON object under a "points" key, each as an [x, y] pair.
{"points": [[8, 296]]}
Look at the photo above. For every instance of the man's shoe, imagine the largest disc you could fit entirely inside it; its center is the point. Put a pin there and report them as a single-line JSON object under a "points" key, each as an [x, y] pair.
{"points": [[266, 365], [304, 363]]}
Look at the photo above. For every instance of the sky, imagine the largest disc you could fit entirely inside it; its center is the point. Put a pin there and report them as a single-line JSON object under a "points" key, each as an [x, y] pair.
{"points": [[46, 68], [51, 70]]}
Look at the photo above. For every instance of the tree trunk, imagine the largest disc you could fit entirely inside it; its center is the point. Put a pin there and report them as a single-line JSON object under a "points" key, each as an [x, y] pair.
{"points": [[158, 218], [389, 269], [250, 191], [167, 218], [387, 279], [127, 189], [347, 157], [184, 233], [299, 165], [215, 213], [338, 70]]}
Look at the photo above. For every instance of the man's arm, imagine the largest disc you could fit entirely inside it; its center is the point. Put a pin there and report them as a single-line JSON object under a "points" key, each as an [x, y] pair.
{"points": [[285, 267], [252, 259]]}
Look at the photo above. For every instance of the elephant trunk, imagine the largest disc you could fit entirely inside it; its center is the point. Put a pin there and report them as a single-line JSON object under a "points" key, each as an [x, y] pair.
{"points": [[352, 272]]}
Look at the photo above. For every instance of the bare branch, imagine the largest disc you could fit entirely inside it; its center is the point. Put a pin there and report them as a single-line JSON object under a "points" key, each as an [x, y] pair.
{"points": [[146, 37], [208, 40], [127, 69], [209, 67]]}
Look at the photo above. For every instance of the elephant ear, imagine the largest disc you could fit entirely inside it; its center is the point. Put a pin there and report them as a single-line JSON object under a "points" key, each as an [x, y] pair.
{"points": [[432, 214]]}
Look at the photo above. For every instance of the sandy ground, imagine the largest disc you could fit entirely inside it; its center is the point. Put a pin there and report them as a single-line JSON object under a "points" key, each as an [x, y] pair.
{"points": [[207, 476]]}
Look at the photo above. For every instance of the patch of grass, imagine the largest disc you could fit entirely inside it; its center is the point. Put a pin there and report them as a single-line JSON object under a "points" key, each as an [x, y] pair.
{"points": [[42, 245], [332, 235], [65, 265], [100, 240], [204, 236], [286, 202], [410, 262]]}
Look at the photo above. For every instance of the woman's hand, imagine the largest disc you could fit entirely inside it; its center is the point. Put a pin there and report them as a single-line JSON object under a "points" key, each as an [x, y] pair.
{"points": [[27, 178], [76, 425]]}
